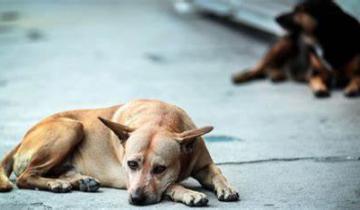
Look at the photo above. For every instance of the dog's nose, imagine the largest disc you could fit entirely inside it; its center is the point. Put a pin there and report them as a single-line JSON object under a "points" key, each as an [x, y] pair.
{"points": [[137, 197]]}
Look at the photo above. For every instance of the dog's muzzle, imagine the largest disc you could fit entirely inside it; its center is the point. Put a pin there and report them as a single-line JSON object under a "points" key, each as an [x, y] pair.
{"points": [[137, 197]]}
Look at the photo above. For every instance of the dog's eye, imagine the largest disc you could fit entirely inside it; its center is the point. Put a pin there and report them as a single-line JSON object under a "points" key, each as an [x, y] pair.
{"points": [[158, 169], [133, 164]]}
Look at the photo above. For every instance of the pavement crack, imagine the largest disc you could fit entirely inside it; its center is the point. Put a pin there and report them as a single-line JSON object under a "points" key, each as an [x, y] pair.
{"points": [[326, 159], [41, 204]]}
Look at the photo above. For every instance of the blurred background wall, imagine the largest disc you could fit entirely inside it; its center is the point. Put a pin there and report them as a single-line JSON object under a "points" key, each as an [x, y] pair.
{"points": [[259, 13]]}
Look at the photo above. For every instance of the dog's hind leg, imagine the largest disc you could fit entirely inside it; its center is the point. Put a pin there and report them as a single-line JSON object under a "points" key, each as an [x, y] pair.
{"points": [[248, 75], [6, 168], [276, 74], [272, 64], [48, 144], [212, 178]]}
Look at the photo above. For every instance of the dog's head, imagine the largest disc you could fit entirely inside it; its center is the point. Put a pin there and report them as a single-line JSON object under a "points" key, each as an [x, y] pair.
{"points": [[152, 158], [308, 15]]}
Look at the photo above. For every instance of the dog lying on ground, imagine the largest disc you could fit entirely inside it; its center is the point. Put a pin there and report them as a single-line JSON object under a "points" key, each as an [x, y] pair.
{"points": [[148, 147], [326, 41]]}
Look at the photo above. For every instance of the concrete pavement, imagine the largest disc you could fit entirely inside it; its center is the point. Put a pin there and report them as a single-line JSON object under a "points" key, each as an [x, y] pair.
{"points": [[277, 144]]}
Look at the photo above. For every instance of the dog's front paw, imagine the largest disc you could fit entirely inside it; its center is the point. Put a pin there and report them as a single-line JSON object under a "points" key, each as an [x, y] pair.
{"points": [[352, 91], [227, 193], [89, 184], [322, 93], [5, 186], [59, 186], [192, 198]]}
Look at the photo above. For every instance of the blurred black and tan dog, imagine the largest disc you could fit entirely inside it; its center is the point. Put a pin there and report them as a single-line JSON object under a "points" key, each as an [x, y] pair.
{"points": [[321, 46]]}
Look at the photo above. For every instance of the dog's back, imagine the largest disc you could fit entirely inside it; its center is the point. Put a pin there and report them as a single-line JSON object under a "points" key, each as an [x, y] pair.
{"points": [[338, 34]]}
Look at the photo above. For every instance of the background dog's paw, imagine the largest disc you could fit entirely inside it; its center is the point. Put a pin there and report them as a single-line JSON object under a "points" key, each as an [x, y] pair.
{"points": [[322, 93], [351, 92], [195, 199], [89, 184], [276, 75], [227, 194], [59, 186]]}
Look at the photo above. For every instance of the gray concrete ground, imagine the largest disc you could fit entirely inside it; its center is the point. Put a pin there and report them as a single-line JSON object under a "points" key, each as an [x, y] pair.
{"points": [[287, 149]]}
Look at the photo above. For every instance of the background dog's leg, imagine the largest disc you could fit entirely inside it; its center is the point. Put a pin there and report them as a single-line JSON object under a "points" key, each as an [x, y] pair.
{"points": [[81, 182], [179, 193], [276, 74], [249, 74], [274, 60], [52, 141], [319, 77], [353, 88], [353, 73], [212, 178], [318, 86]]}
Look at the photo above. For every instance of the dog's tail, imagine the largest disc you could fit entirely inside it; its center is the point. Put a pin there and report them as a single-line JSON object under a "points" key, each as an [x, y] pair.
{"points": [[6, 167]]}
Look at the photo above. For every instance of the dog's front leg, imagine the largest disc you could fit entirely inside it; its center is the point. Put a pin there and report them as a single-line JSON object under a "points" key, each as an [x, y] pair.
{"points": [[179, 193], [212, 178], [319, 77], [353, 73]]}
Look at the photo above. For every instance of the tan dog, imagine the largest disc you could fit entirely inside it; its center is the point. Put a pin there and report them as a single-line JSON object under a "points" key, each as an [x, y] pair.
{"points": [[152, 147]]}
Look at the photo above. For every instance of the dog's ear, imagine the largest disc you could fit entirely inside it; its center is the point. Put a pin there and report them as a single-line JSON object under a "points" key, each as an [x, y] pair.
{"points": [[121, 131], [188, 138]]}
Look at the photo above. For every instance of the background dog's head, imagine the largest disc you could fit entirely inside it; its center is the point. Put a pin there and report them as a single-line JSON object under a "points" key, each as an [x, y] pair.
{"points": [[308, 15], [153, 157]]}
